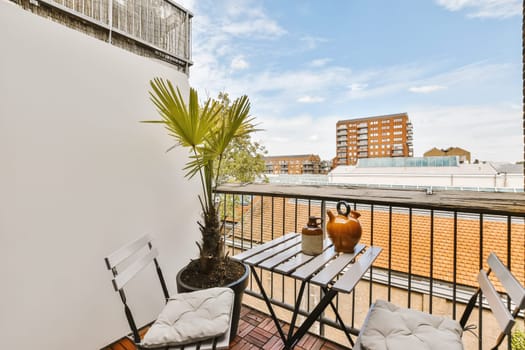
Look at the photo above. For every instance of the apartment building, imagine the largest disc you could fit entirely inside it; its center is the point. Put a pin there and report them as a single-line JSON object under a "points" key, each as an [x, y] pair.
{"points": [[293, 164], [373, 137]]}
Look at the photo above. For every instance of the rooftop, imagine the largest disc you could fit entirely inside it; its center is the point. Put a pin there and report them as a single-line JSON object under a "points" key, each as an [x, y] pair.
{"points": [[404, 114]]}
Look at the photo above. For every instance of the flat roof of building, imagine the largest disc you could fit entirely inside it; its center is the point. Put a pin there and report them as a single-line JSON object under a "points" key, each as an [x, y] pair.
{"points": [[404, 114], [292, 156]]}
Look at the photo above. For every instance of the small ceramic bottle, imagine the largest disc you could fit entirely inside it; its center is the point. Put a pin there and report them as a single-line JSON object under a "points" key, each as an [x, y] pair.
{"points": [[312, 237]]}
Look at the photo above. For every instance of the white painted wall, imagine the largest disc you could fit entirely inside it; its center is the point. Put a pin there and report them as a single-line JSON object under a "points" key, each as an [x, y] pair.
{"points": [[79, 177]]}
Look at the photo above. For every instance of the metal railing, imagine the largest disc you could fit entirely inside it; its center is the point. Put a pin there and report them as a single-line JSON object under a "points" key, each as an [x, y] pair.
{"points": [[430, 257], [161, 25]]}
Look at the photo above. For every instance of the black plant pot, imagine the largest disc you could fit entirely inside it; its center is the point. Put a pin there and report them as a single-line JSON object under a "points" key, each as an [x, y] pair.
{"points": [[238, 288]]}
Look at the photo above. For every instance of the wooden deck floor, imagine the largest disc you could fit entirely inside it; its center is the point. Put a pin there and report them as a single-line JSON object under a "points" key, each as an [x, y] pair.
{"points": [[257, 331]]}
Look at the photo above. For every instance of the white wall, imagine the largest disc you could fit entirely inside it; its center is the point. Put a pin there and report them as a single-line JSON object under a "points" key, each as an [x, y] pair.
{"points": [[80, 176]]}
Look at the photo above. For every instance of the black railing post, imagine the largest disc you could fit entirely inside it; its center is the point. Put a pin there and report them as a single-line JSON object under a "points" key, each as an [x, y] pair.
{"points": [[409, 257]]}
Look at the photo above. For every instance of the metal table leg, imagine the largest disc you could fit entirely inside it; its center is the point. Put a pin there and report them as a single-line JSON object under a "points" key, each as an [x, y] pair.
{"points": [[339, 319], [268, 304], [309, 321]]}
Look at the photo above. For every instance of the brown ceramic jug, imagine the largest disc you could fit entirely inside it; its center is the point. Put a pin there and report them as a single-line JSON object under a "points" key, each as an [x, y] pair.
{"points": [[344, 229]]}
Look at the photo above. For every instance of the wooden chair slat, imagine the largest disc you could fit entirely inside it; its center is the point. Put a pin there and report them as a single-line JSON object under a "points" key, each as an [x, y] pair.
{"points": [[123, 253], [125, 276], [511, 284], [502, 315]]}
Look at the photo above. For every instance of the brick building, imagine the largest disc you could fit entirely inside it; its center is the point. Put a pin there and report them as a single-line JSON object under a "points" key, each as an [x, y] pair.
{"points": [[293, 164], [373, 137], [464, 155]]}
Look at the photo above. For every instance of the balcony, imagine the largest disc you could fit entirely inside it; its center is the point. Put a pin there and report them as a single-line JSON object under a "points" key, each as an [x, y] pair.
{"points": [[151, 28], [433, 246], [64, 207]]}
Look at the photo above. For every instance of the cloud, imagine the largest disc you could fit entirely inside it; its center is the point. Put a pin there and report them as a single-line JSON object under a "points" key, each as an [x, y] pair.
{"points": [[489, 132], [310, 99], [189, 4], [257, 26], [312, 42], [299, 134], [426, 89], [484, 8], [239, 63], [320, 62]]}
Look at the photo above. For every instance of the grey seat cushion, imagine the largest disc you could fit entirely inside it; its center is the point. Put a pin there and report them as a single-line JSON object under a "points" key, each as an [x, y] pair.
{"points": [[192, 317], [389, 327]]}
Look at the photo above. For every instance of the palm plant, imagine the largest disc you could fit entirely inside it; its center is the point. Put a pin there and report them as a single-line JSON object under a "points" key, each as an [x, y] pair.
{"points": [[207, 131]]}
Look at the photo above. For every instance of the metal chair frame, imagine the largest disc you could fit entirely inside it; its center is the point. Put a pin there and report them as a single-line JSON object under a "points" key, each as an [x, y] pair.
{"points": [[136, 263]]}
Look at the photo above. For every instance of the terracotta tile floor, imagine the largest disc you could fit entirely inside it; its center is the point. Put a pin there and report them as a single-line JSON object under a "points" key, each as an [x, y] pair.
{"points": [[257, 331]]}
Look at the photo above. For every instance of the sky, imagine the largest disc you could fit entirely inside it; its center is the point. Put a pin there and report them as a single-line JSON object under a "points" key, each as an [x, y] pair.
{"points": [[453, 65]]}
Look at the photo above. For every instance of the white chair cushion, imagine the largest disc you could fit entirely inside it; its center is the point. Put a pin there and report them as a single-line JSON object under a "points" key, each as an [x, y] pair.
{"points": [[389, 327], [192, 317]]}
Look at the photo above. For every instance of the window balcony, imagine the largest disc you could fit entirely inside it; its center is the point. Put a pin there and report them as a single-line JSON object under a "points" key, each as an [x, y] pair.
{"points": [[157, 28], [432, 245]]}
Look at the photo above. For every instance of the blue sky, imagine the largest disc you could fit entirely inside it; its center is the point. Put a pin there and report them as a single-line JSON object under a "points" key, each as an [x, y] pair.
{"points": [[453, 65]]}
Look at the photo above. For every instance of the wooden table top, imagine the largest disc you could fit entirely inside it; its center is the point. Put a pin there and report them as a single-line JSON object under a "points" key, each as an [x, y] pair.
{"points": [[283, 255]]}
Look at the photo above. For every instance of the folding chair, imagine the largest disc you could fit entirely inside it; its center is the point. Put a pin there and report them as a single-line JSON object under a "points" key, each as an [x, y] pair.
{"points": [[389, 327], [195, 320]]}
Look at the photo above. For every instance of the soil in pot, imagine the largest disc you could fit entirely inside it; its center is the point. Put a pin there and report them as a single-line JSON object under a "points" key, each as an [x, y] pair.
{"points": [[226, 272]]}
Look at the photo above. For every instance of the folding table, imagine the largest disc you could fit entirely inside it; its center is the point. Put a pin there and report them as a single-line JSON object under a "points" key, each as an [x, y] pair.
{"points": [[333, 272]]}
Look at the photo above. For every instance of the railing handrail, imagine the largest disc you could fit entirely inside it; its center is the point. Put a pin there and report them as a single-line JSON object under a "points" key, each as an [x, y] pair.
{"points": [[496, 203]]}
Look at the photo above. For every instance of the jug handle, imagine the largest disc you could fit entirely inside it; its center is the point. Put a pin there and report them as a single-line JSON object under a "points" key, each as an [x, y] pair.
{"points": [[347, 207]]}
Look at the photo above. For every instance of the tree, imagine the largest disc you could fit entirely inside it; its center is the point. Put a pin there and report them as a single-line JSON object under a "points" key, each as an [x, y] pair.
{"points": [[243, 159]]}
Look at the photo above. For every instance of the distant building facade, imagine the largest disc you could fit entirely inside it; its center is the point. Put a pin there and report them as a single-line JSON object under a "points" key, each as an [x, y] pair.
{"points": [[373, 137], [293, 164], [444, 172], [464, 155]]}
